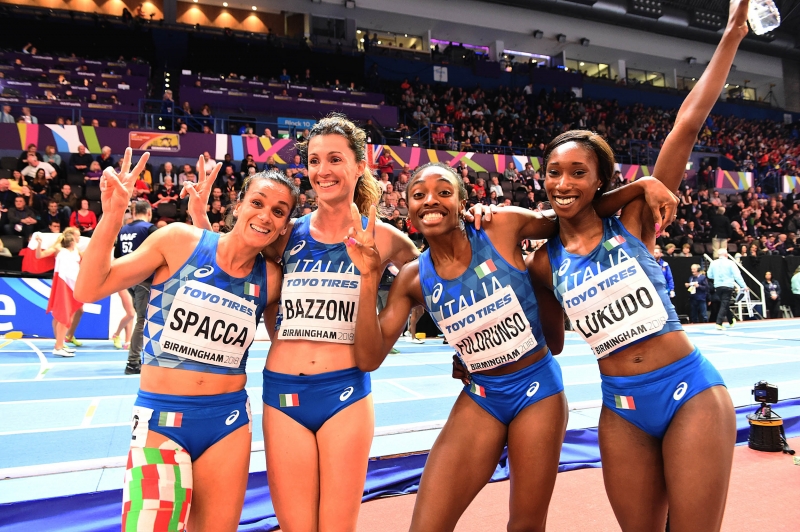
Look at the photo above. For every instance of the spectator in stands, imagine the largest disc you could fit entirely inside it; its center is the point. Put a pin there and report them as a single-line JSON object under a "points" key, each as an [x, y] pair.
{"points": [[216, 212], [686, 251], [21, 220], [51, 157], [402, 183], [167, 109], [246, 163], [209, 162], [720, 230], [168, 170], [698, 292], [34, 164], [27, 117], [227, 162], [22, 161], [665, 269], [772, 296], [510, 174], [67, 200], [284, 77], [188, 175], [496, 188], [79, 162], [383, 181], [725, 274], [93, 175], [168, 192], [183, 129], [390, 197], [386, 163], [84, 219], [268, 134], [296, 167], [105, 158], [53, 215], [5, 116], [95, 122]]}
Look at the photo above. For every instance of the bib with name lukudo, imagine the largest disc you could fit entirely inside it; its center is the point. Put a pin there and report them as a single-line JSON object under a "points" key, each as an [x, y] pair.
{"points": [[614, 296], [320, 294], [489, 314]]}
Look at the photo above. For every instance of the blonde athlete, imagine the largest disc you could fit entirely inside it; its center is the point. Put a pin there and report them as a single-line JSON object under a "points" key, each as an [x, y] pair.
{"points": [[190, 444]]}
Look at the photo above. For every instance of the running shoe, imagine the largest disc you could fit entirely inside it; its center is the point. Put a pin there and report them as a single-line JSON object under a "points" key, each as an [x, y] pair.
{"points": [[416, 341], [117, 342], [131, 370], [733, 322], [719, 327], [68, 349], [394, 352], [63, 353], [445, 342], [126, 345], [74, 341]]}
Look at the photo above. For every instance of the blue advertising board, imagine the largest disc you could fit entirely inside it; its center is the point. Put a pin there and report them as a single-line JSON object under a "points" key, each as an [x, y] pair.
{"points": [[23, 306], [297, 123]]}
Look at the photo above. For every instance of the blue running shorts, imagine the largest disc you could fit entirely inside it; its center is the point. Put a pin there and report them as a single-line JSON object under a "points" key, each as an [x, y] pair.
{"points": [[311, 400], [651, 400], [504, 396], [195, 422]]}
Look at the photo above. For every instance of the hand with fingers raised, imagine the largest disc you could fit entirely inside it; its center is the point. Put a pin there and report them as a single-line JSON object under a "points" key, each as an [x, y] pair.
{"points": [[199, 192], [361, 246], [116, 188]]}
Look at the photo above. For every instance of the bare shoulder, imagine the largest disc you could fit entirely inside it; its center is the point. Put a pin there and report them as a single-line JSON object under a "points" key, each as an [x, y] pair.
{"points": [[394, 245]]}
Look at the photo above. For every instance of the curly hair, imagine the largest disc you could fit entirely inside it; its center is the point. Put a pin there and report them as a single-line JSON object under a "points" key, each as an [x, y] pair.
{"points": [[367, 190]]}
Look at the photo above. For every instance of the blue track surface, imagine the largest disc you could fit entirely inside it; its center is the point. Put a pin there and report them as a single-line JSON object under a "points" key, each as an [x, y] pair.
{"points": [[56, 410]]}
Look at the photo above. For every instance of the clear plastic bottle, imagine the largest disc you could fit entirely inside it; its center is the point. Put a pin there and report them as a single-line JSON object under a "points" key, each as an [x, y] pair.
{"points": [[763, 16]]}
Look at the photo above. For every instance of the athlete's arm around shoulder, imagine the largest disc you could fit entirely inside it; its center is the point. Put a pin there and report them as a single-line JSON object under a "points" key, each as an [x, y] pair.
{"points": [[551, 314]]}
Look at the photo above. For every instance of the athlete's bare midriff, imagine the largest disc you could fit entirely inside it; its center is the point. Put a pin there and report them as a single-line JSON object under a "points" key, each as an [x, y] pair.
{"points": [[173, 381], [649, 355], [308, 357]]}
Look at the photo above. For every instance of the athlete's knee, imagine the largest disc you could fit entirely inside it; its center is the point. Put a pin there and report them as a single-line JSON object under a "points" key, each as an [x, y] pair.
{"points": [[157, 491]]}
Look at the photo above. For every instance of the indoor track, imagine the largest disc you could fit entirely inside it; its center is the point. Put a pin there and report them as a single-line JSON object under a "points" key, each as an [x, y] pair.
{"points": [[64, 422]]}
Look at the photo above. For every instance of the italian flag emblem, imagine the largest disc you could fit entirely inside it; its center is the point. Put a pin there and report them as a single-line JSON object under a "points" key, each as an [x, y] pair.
{"points": [[485, 269], [613, 242], [251, 289], [477, 389], [624, 402], [289, 399], [170, 419]]}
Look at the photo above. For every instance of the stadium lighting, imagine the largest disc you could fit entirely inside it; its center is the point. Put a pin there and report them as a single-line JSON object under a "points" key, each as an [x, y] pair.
{"points": [[585, 42], [646, 8], [224, 4], [195, 1], [708, 20], [254, 8], [561, 38], [538, 34]]}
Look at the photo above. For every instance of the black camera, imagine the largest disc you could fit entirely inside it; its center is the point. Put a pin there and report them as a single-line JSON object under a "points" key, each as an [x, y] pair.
{"points": [[765, 392]]}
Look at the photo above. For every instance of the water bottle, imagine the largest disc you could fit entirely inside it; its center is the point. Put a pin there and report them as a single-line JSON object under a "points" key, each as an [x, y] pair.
{"points": [[763, 16]]}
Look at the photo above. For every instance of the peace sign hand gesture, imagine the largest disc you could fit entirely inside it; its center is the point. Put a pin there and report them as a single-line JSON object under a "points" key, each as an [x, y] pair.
{"points": [[116, 188], [361, 246], [199, 192]]}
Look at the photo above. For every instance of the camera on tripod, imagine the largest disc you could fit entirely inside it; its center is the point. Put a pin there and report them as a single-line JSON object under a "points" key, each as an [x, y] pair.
{"points": [[766, 427], [765, 392]]}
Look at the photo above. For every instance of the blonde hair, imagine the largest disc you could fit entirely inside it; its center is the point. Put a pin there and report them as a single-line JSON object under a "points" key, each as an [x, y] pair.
{"points": [[367, 190]]}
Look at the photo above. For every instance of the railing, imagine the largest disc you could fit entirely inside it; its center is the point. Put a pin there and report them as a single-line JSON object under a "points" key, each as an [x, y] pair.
{"points": [[748, 303]]}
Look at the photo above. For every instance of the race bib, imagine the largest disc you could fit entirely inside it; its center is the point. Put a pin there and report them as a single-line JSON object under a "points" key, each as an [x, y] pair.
{"points": [[209, 325], [321, 307], [490, 333], [615, 308]]}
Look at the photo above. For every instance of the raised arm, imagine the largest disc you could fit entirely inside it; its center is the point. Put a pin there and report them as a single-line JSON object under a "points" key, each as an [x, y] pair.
{"points": [[199, 192], [671, 162], [375, 337], [99, 276]]}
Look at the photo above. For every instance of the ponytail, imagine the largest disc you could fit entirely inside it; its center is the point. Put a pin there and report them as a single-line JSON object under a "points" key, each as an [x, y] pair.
{"points": [[367, 192]]}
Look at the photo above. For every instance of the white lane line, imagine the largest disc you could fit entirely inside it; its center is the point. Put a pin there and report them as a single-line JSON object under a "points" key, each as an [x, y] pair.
{"points": [[62, 400], [44, 365], [405, 389], [87, 418]]}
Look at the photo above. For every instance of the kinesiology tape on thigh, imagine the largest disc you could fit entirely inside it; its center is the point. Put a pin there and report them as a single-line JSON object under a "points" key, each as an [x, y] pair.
{"points": [[157, 492]]}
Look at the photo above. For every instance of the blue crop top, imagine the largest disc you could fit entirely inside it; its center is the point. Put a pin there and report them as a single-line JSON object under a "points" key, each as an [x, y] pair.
{"points": [[201, 318], [489, 314], [616, 295], [320, 293]]}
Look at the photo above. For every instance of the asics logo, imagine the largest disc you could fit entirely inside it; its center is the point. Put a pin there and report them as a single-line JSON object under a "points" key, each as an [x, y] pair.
{"points": [[295, 250], [534, 387], [346, 393], [437, 292], [564, 267], [680, 391], [205, 271], [233, 417]]}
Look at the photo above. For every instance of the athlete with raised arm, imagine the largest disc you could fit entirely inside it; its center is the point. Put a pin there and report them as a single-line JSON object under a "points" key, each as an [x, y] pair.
{"points": [[190, 446]]}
